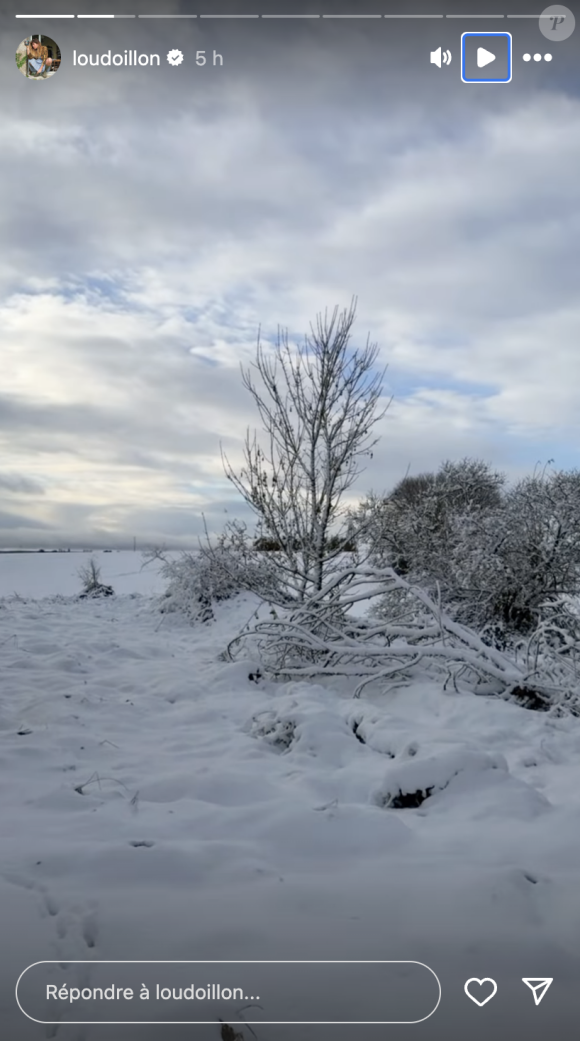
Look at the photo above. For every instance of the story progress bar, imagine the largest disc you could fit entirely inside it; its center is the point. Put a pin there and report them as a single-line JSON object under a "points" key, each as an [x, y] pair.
{"points": [[535, 17]]}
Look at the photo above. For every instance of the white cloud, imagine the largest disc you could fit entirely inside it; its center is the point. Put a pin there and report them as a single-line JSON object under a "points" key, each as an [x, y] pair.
{"points": [[141, 258]]}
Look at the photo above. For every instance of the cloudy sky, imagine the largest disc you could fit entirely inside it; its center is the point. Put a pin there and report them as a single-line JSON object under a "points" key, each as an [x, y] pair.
{"points": [[152, 219]]}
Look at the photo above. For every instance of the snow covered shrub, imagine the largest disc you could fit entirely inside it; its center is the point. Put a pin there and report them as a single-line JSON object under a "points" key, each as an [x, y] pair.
{"points": [[421, 525], [216, 571], [537, 547], [494, 559], [516, 565], [90, 576]]}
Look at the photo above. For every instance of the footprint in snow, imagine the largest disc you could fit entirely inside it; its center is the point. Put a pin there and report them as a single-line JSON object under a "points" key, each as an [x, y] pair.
{"points": [[89, 930], [48, 903], [52, 906], [76, 930], [78, 926]]}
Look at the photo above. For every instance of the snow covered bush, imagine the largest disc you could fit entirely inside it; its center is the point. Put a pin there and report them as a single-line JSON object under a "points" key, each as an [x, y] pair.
{"points": [[536, 543], [216, 571], [515, 564], [420, 527], [495, 559], [90, 576]]}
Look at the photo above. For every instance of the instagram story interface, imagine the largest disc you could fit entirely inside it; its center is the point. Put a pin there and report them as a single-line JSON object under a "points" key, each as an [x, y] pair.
{"points": [[290, 521]]}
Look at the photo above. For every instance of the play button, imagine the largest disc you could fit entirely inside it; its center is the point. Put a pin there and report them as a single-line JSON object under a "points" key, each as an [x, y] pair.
{"points": [[484, 57]]}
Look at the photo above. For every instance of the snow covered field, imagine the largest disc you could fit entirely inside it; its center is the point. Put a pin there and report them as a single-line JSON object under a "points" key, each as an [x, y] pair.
{"points": [[158, 803], [46, 574]]}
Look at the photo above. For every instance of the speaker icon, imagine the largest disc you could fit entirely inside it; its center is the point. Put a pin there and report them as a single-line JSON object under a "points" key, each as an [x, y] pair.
{"points": [[438, 58]]}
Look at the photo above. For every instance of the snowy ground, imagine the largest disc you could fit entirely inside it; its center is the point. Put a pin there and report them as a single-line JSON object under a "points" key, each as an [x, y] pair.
{"points": [[46, 574], [157, 803]]}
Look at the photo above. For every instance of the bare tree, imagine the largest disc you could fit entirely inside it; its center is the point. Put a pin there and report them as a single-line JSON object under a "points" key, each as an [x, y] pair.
{"points": [[318, 403]]}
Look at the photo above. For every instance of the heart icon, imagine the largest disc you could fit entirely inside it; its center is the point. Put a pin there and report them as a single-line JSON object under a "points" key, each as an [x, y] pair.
{"points": [[480, 983]]}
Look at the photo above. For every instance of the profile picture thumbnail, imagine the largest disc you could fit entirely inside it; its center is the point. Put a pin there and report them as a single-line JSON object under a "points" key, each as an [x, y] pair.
{"points": [[38, 57]]}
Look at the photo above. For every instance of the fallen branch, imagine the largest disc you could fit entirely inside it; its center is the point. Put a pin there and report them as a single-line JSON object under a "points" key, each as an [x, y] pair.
{"points": [[321, 639]]}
